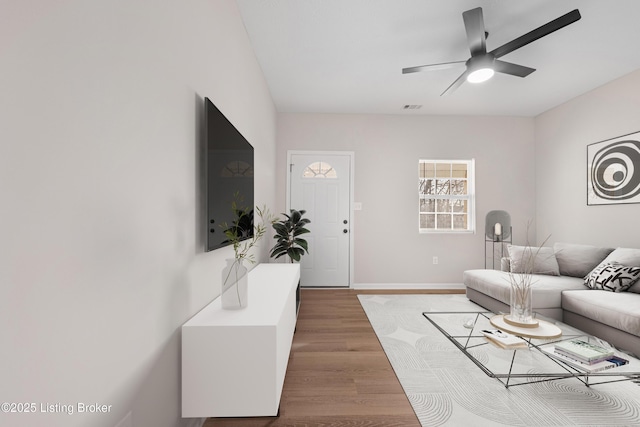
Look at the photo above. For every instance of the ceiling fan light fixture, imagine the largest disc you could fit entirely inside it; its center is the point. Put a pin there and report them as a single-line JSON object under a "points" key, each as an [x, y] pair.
{"points": [[480, 68], [480, 75]]}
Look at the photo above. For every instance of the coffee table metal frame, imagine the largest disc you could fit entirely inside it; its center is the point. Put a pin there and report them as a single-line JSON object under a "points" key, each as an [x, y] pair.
{"points": [[462, 342]]}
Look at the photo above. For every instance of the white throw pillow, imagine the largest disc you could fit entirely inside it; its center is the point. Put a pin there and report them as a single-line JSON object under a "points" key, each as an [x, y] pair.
{"points": [[612, 276], [525, 259]]}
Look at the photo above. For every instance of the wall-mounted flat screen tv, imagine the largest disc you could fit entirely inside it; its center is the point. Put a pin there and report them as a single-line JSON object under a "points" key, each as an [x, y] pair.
{"points": [[229, 178]]}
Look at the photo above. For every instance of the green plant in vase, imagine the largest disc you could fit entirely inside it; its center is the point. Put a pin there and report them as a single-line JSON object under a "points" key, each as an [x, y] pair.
{"points": [[288, 232], [239, 235]]}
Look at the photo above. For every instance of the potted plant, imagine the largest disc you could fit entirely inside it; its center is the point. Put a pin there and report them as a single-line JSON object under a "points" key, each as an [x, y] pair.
{"points": [[234, 275], [288, 232]]}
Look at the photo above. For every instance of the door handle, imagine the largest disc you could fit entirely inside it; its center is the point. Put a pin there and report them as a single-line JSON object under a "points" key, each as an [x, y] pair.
{"points": [[345, 231]]}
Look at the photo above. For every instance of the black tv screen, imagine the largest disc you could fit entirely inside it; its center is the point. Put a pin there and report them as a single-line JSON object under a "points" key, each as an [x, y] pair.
{"points": [[229, 173]]}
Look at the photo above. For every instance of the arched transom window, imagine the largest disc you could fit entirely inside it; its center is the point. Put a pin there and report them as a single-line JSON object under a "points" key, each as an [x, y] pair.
{"points": [[319, 170]]}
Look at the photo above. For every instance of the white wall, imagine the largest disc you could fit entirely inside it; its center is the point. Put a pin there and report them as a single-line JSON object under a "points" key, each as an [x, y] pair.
{"points": [[101, 259], [388, 247], [562, 136]]}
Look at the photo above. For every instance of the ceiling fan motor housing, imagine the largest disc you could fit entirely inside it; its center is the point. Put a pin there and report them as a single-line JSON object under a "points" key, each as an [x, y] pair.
{"points": [[480, 61]]}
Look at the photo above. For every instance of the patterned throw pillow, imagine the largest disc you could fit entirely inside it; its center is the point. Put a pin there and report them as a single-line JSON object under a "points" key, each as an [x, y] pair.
{"points": [[612, 276]]}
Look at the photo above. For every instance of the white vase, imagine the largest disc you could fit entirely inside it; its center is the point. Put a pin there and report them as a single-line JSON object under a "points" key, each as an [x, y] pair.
{"points": [[235, 285]]}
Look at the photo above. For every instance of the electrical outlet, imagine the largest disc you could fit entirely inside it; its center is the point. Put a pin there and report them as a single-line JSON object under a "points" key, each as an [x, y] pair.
{"points": [[435, 260]]}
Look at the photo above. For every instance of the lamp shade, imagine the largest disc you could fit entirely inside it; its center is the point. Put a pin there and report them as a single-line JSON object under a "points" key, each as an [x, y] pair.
{"points": [[492, 231]]}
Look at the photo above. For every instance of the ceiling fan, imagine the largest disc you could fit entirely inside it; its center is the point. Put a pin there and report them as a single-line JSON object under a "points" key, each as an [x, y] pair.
{"points": [[482, 64]]}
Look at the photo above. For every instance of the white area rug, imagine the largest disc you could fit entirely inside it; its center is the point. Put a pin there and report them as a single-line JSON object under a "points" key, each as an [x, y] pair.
{"points": [[445, 388]]}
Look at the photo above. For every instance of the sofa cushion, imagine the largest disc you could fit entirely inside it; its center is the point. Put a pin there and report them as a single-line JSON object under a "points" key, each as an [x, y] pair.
{"points": [[578, 260], [629, 257], [505, 263], [618, 310], [612, 276], [527, 259], [546, 289]]}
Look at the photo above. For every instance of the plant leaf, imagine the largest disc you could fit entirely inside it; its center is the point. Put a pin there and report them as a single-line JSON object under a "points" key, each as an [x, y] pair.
{"points": [[280, 229], [300, 231], [303, 244], [295, 216], [293, 254]]}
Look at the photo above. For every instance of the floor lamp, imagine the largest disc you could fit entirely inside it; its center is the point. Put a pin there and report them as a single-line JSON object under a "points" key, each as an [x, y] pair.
{"points": [[497, 231]]}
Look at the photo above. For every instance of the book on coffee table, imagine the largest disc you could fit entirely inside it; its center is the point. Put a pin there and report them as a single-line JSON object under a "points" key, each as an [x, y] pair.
{"points": [[583, 351], [503, 339], [611, 362]]}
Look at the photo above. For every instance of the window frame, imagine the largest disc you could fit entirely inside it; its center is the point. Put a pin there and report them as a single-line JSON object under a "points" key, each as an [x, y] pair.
{"points": [[469, 197]]}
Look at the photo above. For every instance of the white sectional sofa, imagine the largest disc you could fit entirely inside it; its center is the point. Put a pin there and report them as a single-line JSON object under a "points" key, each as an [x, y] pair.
{"points": [[581, 285]]}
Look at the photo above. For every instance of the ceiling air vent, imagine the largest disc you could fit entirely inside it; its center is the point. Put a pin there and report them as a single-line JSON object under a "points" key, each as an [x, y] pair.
{"points": [[412, 107]]}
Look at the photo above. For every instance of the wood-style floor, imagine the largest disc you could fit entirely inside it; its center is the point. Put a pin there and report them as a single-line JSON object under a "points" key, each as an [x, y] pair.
{"points": [[338, 374]]}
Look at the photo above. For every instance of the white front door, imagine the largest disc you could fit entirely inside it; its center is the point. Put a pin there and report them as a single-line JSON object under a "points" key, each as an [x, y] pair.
{"points": [[320, 183]]}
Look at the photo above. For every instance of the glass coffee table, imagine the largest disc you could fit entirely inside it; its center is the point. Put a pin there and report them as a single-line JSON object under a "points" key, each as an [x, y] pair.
{"points": [[533, 362]]}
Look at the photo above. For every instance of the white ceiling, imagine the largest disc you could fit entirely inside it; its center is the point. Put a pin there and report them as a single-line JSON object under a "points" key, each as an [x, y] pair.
{"points": [[346, 56]]}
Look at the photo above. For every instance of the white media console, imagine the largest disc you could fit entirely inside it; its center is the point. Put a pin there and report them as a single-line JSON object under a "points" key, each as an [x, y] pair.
{"points": [[234, 361]]}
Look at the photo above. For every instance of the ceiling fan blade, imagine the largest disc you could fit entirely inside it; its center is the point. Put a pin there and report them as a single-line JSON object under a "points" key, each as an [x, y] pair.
{"points": [[474, 24], [513, 69], [431, 67], [456, 84], [539, 32]]}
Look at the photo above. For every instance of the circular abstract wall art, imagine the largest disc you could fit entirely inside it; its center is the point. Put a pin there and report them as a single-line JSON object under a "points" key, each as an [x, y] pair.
{"points": [[614, 171]]}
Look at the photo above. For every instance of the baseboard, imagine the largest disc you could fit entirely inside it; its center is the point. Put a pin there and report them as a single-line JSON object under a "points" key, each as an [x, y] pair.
{"points": [[401, 286], [194, 422]]}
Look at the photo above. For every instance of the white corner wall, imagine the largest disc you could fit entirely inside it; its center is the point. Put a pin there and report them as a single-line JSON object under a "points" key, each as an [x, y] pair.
{"points": [[101, 256], [388, 247], [562, 136]]}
